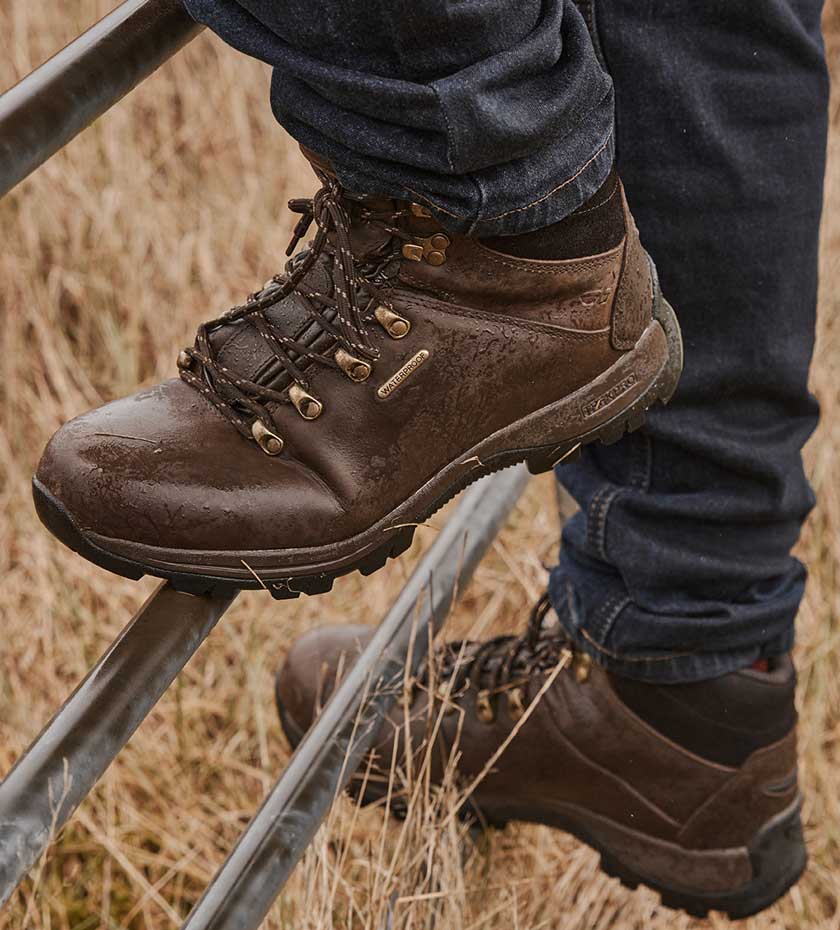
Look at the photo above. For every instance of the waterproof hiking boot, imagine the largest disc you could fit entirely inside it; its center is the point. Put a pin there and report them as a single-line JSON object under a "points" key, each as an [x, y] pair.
{"points": [[688, 789], [391, 365]]}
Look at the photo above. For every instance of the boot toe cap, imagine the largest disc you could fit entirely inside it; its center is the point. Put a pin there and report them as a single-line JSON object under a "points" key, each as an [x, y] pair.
{"points": [[163, 468], [308, 676]]}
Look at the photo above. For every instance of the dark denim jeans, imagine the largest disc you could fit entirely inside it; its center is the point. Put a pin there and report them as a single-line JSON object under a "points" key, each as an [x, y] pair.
{"points": [[678, 565], [493, 112]]}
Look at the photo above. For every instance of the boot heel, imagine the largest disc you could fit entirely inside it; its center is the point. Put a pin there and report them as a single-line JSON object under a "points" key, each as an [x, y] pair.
{"points": [[777, 855], [544, 458]]}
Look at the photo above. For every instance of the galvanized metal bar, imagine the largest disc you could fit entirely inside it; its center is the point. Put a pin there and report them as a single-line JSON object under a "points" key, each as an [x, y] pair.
{"points": [[61, 766], [245, 887], [67, 93]]}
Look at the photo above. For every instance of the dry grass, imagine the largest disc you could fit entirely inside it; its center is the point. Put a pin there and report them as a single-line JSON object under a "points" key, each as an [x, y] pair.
{"points": [[168, 209]]}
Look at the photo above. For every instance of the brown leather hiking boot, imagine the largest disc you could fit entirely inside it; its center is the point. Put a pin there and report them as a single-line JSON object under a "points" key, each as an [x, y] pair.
{"points": [[389, 367], [688, 789]]}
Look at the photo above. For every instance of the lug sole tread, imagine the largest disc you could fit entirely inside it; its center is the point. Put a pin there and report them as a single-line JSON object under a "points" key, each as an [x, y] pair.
{"points": [[779, 840]]}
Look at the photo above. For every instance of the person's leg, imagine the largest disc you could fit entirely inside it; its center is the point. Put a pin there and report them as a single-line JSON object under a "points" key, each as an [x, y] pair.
{"points": [[499, 119], [678, 566], [689, 788], [403, 352]]}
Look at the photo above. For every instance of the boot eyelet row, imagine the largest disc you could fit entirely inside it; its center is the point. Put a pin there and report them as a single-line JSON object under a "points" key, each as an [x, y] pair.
{"points": [[431, 248], [308, 406]]}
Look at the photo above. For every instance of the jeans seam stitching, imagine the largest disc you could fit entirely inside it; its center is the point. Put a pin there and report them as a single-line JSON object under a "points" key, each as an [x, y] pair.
{"points": [[433, 203], [556, 189], [608, 614], [648, 447], [599, 511], [605, 616], [451, 160], [570, 605], [641, 462], [603, 203], [591, 19], [668, 657], [591, 517], [450, 135], [499, 216], [482, 197]]}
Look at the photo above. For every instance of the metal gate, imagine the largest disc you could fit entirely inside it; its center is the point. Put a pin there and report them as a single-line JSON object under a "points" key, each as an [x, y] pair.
{"points": [[37, 117]]}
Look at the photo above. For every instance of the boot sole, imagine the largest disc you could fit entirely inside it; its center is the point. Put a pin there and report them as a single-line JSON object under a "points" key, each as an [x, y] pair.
{"points": [[615, 404], [684, 879]]}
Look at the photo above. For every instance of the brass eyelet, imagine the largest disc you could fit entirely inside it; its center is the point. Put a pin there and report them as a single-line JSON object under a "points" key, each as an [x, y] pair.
{"points": [[269, 442], [309, 407], [582, 667], [395, 325], [483, 707], [356, 369], [516, 703], [431, 248], [417, 209]]}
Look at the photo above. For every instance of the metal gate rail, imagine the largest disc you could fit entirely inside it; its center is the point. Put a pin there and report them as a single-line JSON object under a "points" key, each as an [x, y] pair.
{"points": [[64, 762], [272, 844], [37, 117], [61, 766], [49, 107]]}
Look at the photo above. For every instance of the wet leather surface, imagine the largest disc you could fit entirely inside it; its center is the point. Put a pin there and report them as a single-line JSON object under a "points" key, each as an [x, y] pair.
{"points": [[581, 749], [504, 337]]}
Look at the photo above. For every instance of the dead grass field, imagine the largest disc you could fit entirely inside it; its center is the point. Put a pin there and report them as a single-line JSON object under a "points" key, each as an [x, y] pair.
{"points": [[168, 210]]}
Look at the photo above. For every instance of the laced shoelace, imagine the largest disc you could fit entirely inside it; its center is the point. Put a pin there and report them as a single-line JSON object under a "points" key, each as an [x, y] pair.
{"points": [[356, 285], [506, 664]]}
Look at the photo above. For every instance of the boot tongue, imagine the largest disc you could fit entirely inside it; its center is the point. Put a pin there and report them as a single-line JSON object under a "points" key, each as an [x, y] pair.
{"points": [[239, 347], [319, 164], [364, 237]]}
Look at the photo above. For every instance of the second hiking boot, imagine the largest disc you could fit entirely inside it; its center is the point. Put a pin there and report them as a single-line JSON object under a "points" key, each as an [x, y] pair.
{"points": [[689, 789], [390, 366]]}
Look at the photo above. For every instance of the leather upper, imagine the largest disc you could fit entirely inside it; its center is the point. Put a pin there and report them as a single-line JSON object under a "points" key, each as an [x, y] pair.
{"points": [[501, 336], [582, 747]]}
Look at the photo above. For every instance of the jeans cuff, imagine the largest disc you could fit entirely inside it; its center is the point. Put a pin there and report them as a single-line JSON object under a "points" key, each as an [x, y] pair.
{"points": [[590, 628], [547, 205], [516, 197], [532, 192]]}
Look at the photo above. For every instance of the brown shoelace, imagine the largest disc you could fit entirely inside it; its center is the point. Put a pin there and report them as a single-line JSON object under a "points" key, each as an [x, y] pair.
{"points": [[506, 664], [356, 283]]}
